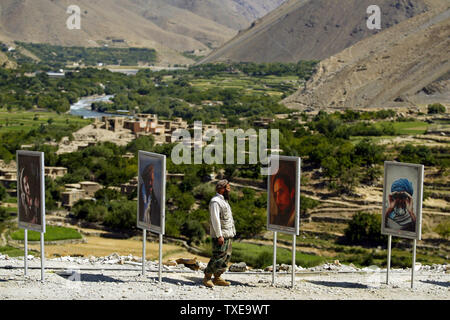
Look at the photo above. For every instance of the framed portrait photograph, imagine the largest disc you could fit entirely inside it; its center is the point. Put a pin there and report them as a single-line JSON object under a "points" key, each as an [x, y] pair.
{"points": [[402, 200], [151, 191], [30, 190], [283, 195]]}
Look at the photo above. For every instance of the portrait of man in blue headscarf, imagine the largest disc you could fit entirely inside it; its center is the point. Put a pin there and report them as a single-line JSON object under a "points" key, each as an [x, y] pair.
{"points": [[400, 212]]}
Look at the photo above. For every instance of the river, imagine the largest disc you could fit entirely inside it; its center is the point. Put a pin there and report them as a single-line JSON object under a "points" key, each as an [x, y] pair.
{"points": [[83, 107]]}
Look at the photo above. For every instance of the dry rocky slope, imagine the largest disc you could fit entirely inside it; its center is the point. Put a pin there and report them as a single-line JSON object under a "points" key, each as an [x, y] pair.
{"points": [[396, 67], [169, 27], [312, 30]]}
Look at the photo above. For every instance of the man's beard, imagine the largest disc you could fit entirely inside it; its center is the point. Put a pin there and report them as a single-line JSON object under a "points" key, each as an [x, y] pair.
{"points": [[226, 195]]}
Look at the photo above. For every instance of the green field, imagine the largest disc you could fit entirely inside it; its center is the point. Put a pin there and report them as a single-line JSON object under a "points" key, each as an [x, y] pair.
{"points": [[16, 120], [261, 256], [409, 127], [271, 85], [14, 252], [52, 233]]}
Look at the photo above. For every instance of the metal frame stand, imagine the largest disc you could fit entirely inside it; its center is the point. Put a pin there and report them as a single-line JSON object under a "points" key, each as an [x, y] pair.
{"points": [[42, 257], [388, 259], [160, 257], [293, 259], [26, 252], [274, 271], [413, 263], [144, 240]]}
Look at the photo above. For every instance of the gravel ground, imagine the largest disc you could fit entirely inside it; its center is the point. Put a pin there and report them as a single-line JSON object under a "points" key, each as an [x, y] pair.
{"points": [[119, 277]]}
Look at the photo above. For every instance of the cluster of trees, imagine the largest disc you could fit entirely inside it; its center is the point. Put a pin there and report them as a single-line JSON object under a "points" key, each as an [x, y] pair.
{"points": [[336, 126], [19, 91], [365, 229], [38, 136], [57, 57], [178, 98], [343, 163], [302, 69], [110, 208]]}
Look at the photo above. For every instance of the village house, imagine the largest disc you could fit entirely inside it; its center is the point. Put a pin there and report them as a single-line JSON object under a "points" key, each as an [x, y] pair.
{"points": [[55, 172], [74, 192]]}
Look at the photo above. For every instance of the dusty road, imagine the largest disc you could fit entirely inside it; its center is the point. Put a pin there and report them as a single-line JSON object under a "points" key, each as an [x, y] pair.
{"points": [[112, 279]]}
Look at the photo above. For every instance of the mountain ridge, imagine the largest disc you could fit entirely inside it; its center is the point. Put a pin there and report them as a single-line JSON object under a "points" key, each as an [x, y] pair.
{"points": [[164, 25], [311, 30], [391, 69]]}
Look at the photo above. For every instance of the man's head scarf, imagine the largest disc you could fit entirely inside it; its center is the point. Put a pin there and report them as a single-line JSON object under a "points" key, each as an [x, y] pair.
{"points": [[402, 185]]}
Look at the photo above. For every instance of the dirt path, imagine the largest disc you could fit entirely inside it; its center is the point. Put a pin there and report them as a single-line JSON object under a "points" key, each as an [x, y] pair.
{"points": [[105, 281]]}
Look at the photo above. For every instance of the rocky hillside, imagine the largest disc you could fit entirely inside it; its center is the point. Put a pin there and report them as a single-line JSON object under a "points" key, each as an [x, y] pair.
{"points": [[169, 26], [312, 29], [401, 66], [5, 62]]}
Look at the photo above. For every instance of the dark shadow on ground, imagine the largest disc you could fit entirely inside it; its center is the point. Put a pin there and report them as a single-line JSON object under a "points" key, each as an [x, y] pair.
{"points": [[90, 278], [347, 285], [198, 281], [437, 283], [174, 281]]}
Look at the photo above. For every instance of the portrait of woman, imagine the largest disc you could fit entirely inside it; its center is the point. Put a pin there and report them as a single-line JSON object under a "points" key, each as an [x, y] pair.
{"points": [[30, 190], [283, 196]]}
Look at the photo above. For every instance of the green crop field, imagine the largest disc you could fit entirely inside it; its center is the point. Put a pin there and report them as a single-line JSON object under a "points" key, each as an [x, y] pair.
{"points": [[52, 233], [262, 256], [409, 127], [14, 252], [27, 120]]}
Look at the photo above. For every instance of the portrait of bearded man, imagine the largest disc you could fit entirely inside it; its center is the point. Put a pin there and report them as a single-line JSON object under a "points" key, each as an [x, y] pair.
{"points": [[283, 192]]}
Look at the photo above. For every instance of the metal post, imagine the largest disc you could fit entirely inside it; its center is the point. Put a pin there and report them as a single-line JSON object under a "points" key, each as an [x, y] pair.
{"points": [[388, 259], [413, 264], [144, 240], [293, 260], [26, 252], [274, 257], [160, 256], [42, 257]]}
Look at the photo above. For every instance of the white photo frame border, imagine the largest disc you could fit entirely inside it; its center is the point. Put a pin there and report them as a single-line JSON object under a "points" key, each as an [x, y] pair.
{"points": [[26, 225], [140, 224], [417, 235], [277, 228]]}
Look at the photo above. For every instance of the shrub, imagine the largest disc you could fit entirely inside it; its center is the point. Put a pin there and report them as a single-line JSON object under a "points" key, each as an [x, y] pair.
{"points": [[249, 221], [307, 203], [4, 214], [122, 215], [443, 229], [436, 108], [417, 154], [193, 230], [365, 229], [3, 193]]}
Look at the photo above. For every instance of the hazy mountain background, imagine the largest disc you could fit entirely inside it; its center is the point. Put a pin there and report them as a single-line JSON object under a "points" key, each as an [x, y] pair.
{"points": [[169, 26]]}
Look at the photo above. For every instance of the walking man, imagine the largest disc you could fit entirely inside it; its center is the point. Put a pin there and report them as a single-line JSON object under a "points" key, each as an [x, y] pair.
{"points": [[222, 231]]}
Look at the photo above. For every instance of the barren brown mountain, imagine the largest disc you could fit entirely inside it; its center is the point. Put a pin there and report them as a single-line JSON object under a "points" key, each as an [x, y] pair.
{"points": [[312, 30], [406, 65], [169, 26]]}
